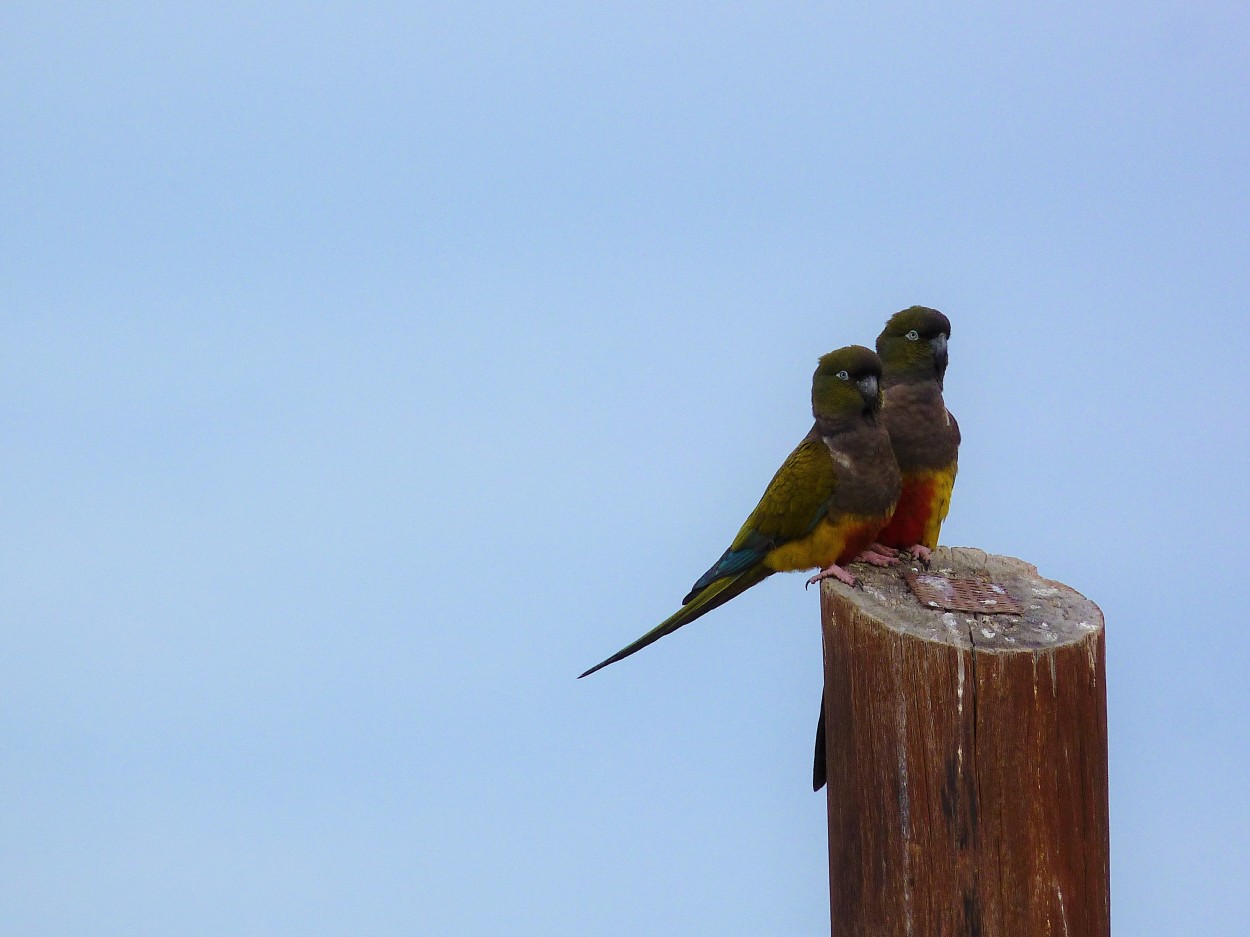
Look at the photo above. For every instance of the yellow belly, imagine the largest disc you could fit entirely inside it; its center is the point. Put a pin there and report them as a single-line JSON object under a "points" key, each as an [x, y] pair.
{"points": [[833, 541], [941, 506]]}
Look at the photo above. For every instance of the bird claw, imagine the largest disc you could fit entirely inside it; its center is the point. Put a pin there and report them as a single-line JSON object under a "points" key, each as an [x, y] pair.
{"points": [[921, 554], [873, 558], [833, 571]]}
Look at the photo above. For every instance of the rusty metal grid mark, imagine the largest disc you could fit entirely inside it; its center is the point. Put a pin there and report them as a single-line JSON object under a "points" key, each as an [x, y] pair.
{"points": [[933, 590]]}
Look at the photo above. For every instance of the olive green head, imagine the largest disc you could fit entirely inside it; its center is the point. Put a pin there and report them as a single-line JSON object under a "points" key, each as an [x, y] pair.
{"points": [[847, 382], [913, 344]]}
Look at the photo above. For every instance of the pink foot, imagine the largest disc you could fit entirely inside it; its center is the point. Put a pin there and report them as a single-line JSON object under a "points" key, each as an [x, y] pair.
{"points": [[873, 558], [882, 549], [833, 571], [920, 552]]}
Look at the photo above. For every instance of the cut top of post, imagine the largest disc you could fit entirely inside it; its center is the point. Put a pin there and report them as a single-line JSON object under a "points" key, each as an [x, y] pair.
{"points": [[1018, 610]]}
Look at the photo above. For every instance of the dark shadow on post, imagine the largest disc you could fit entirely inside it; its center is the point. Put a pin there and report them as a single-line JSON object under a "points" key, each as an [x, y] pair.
{"points": [[966, 754]]}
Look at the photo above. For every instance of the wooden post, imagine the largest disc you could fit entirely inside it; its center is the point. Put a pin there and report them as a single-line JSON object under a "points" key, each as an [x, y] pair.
{"points": [[966, 757]]}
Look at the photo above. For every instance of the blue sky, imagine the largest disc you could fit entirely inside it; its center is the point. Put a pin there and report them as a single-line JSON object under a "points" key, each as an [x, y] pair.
{"points": [[369, 372]]}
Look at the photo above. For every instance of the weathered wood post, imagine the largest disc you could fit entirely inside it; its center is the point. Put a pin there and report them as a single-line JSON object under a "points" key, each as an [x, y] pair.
{"points": [[966, 753]]}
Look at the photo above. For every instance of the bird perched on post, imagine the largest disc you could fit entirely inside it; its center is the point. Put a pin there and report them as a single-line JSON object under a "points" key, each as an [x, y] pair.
{"points": [[925, 438], [922, 431], [827, 502]]}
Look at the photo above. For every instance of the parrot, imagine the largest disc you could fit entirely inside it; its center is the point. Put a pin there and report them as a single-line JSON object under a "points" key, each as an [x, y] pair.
{"points": [[925, 438], [824, 506]]}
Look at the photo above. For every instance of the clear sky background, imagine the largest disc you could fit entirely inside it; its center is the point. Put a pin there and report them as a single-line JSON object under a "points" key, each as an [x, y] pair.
{"points": [[368, 372]]}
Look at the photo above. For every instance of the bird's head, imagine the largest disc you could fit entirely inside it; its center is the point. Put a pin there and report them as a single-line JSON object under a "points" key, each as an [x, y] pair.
{"points": [[847, 382], [912, 345]]}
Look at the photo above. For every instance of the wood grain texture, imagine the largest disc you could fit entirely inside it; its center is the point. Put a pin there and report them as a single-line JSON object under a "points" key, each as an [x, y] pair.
{"points": [[967, 759]]}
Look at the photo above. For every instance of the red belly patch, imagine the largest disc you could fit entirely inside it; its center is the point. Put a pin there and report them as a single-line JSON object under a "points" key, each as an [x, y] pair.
{"points": [[858, 539], [912, 515]]}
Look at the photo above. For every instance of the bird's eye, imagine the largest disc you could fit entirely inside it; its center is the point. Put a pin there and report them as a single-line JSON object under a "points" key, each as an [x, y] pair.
{"points": [[913, 336], [843, 376]]}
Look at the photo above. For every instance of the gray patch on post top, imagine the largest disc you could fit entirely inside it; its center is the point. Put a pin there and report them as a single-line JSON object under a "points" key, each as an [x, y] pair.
{"points": [[1055, 615]]}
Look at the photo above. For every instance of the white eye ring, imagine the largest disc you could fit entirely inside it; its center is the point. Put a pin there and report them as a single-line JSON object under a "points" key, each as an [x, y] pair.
{"points": [[842, 376], [913, 336]]}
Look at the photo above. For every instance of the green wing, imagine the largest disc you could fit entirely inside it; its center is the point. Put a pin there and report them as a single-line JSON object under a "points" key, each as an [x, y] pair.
{"points": [[793, 504]]}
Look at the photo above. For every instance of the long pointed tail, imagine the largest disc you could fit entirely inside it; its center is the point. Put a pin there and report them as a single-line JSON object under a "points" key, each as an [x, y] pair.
{"points": [[714, 594], [818, 761]]}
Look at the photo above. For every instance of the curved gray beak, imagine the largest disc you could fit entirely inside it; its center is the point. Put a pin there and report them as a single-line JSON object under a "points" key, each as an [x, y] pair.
{"points": [[868, 389], [938, 343]]}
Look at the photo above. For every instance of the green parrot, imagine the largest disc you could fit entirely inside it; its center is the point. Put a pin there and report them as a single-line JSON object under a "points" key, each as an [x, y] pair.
{"points": [[826, 503]]}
